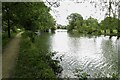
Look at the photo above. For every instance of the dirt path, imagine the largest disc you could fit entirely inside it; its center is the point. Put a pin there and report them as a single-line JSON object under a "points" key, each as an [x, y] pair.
{"points": [[9, 56]]}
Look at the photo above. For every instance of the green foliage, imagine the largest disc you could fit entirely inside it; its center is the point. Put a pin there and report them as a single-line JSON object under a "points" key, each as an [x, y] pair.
{"points": [[109, 23], [75, 21], [90, 26], [108, 26], [93, 23], [82, 75], [34, 63], [61, 26], [84, 26], [28, 15]]}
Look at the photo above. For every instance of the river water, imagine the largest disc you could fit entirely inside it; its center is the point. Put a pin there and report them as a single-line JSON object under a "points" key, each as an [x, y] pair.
{"points": [[98, 56]]}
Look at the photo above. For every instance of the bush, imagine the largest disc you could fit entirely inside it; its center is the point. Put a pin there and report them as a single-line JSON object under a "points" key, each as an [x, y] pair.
{"points": [[34, 63]]}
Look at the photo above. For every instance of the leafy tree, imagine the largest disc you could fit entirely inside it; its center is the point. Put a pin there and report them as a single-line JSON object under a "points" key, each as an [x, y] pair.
{"points": [[75, 21], [110, 23], [30, 16], [8, 17], [93, 23], [105, 24]]}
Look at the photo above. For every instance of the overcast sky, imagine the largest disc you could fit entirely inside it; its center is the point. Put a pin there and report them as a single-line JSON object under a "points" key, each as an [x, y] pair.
{"points": [[86, 9], [67, 7]]}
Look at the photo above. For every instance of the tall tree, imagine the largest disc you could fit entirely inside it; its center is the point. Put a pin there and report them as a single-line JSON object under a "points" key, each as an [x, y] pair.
{"points": [[28, 15], [7, 10], [93, 23], [75, 21]]}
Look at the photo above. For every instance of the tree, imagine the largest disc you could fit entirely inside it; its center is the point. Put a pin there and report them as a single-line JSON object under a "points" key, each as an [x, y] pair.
{"points": [[93, 23], [8, 16], [110, 23], [105, 24], [30, 16], [75, 21]]}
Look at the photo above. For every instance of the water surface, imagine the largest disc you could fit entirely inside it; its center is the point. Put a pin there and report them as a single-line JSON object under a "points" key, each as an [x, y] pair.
{"points": [[98, 56]]}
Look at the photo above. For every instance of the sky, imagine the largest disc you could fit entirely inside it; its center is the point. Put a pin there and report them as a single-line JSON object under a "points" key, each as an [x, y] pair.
{"points": [[85, 9]]}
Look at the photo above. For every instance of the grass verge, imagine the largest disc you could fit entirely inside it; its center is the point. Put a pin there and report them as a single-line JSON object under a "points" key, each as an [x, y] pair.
{"points": [[34, 63]]}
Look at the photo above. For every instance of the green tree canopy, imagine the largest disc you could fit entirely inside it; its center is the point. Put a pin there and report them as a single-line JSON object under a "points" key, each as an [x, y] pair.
{"points": [[28, 15], [75, 21]]}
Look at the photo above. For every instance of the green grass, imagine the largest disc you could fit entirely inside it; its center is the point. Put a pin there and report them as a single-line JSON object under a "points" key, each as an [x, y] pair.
{"points": [[34, 63]]}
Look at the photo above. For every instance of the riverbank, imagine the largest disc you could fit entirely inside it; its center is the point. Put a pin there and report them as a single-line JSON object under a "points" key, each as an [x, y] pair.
{"points": [[35, 58], [33, 62], [95, 33]]}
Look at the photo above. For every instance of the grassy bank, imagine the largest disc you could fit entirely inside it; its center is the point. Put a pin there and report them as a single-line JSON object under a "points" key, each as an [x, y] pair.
{"points": [[34, 63]]}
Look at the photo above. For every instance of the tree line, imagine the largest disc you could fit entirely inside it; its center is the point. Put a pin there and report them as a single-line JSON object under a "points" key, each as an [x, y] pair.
{"points": [[108, 26], [28, 16]]}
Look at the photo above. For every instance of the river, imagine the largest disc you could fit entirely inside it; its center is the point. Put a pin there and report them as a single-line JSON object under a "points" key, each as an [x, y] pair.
{"points": [[96, 55]]}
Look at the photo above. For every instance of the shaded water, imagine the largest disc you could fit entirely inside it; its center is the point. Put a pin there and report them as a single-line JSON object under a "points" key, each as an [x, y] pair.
{"points": [[98, 56]]}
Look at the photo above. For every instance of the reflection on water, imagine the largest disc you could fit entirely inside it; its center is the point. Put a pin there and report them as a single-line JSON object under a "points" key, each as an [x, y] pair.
{"points": [[97, 56]]}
